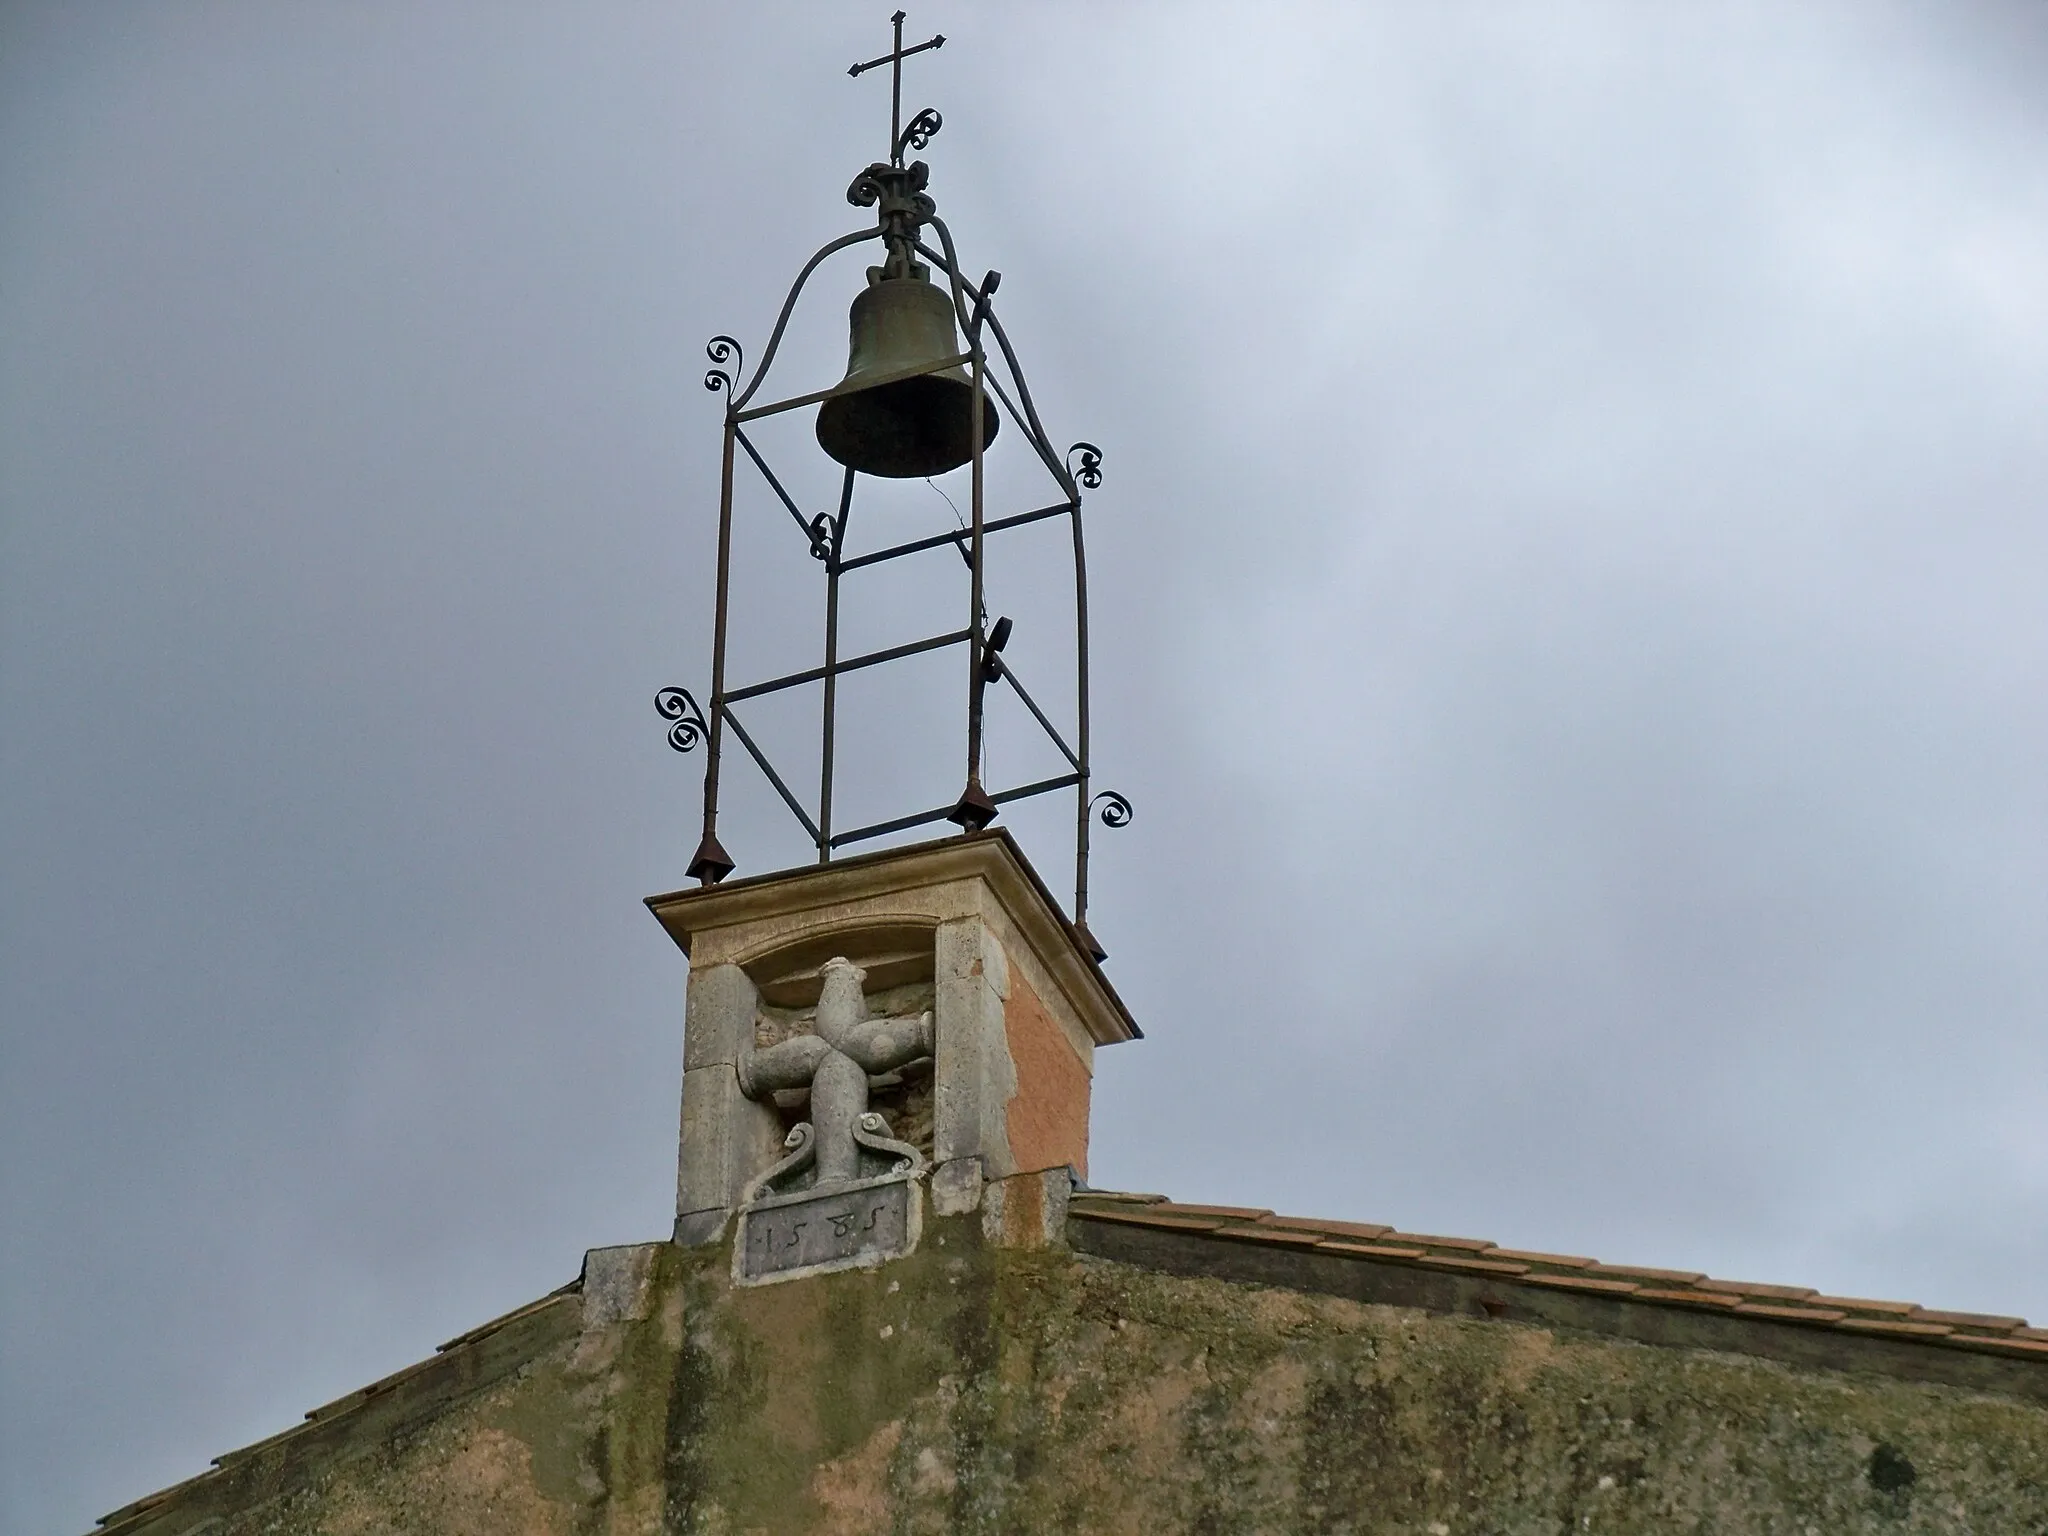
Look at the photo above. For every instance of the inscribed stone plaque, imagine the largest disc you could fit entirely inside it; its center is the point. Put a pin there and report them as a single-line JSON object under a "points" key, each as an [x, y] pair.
{"points": [[841, 1228]]}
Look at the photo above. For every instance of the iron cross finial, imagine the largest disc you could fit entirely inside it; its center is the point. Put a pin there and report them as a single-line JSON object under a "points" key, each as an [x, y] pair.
{"points": [[926, 123]]}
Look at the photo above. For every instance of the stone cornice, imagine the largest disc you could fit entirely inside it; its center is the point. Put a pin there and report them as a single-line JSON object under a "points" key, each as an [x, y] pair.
{"points": [[928, 878]]}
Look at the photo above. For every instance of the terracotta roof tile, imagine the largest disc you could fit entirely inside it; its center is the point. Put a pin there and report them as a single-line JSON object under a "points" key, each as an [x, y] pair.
{"points": [[1792, 1314], [1155, 1216], [1692, 1298], [1586, 1283], [1331, 1228], [1971, 1319], [2003, 1344], [1749, 1288], [1254, 1232], [1119, 1196], [128, 1513], [343, 1404], [1421, 1239], [1530, 1256], [256, 1447], [1895, 1325], [1638, 1272], [1643, 1272], [1863, 1304], [151, 1500], [362, 1395], [485, 1330], [1485, 1266], [1228, 1212], [1571, 1272], [1371, 1250]]}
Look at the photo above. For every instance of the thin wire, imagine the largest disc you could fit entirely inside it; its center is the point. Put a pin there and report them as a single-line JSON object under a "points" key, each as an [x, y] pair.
{"points": [[962, 523], [948, 501]]}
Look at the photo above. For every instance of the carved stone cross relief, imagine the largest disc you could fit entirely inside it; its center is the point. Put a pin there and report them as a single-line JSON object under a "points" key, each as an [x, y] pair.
{"points": [[836, 1063]]}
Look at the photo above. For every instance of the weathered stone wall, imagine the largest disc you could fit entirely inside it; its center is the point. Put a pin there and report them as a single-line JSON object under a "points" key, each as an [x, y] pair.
{"points": [[967, 1389]]}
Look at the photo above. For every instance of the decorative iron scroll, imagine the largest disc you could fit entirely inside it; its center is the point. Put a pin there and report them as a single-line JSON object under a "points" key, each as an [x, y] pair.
{"points": [[722, 349], [1116, 810], [864, 191], [1089, 471], [820, 530], [917, 133], [676, 704], [900, 189]]}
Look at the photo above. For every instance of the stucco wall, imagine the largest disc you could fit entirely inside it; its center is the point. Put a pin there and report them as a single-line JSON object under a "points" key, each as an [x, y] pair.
{"points": [[971, 1390]]}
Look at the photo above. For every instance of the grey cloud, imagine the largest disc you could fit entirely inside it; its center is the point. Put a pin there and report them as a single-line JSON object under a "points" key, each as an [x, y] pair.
{"points": [[1569, 612]]}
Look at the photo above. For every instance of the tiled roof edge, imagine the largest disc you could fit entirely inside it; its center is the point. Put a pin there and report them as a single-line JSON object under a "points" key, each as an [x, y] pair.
{"points": [[1477, 1278], [454, 1367]]}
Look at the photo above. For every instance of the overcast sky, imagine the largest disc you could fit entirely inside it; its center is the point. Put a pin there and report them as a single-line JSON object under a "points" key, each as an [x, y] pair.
{"points": [[1571, 611]]}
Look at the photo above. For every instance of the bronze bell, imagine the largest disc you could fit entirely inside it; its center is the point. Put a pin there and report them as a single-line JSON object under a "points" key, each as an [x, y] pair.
{"points": [[912, 427]]}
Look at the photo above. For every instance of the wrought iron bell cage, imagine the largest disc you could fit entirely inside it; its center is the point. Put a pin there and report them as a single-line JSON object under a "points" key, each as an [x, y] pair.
{"points": [[905, 212]]}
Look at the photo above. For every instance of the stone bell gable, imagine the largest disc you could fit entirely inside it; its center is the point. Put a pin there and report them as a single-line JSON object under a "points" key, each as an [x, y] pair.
{"points": [[890, 1305], [994, 1009]]}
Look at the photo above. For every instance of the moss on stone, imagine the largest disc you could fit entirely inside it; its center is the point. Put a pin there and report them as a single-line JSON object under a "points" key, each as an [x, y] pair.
{"points": [[972, 1390]]}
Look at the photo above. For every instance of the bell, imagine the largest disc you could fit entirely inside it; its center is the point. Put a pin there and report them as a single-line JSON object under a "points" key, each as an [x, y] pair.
{"points": [[912, 427]]}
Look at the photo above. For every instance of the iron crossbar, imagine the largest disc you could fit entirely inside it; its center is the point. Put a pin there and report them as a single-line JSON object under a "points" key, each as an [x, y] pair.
{"points": [[959, 537], [872, 659], [773, 483], [1010, 677], [925, 818], [760, 757]]}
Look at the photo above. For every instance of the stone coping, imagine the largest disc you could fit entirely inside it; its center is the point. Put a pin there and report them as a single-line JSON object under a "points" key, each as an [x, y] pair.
{"points": [[1470, 1275], [1364, 1261], [464, 1365]]}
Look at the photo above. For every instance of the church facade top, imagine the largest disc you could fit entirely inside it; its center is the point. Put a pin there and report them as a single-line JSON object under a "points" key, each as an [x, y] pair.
{"points": [[931, 380]]}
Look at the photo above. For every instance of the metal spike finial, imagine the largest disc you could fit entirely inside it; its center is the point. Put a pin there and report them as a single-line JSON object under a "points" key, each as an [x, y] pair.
{"points": [[974, 810], [711, 863]]}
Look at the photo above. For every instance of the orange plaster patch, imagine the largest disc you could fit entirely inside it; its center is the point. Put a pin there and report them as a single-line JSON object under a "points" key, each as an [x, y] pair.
{"points": [[1048, 1119], [853, 1491]]}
